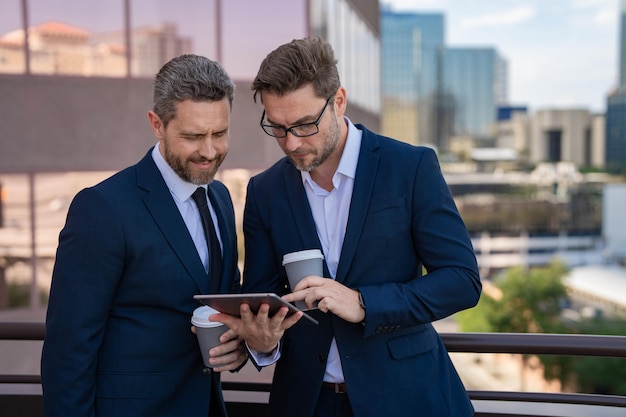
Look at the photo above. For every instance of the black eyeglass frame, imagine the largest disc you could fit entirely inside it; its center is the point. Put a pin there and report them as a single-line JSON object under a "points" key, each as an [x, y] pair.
{"points": [[268, 129]]}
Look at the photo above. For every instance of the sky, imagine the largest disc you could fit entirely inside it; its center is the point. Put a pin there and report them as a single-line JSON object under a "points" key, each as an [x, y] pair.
{"points": [[560, 53]]}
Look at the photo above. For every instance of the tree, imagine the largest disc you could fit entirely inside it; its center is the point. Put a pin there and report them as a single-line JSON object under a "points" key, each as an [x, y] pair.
{"points": [[523, 301], [602, 375], [529, 301]]}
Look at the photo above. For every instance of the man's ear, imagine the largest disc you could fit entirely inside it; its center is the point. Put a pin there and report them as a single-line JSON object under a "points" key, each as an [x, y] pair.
{"points": [[341, 101], [156, 124]]}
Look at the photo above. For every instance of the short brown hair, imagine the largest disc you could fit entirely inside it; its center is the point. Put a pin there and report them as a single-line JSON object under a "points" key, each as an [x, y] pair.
{"points": [[296, 64]]}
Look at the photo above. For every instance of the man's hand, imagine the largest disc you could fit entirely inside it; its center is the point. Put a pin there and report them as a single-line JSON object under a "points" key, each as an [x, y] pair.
{"points": [[259, 331], [229, 355], [332, 296]]}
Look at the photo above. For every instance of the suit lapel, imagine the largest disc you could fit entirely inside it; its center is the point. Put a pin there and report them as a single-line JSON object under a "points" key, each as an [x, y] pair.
{"points": [[162, 208], [365, 176], [301, 209]]}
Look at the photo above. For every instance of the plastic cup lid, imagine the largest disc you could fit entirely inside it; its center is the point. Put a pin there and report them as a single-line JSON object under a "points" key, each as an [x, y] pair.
{"points": [[201, 317], [302, 255]]}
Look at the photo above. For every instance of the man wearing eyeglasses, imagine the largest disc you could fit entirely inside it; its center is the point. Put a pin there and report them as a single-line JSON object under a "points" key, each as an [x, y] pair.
{"points": [[379, 210]]}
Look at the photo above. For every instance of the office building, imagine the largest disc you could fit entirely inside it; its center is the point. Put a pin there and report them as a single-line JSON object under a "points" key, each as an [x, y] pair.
{"points": [[614, 221], [433, 93], [474, 80], [113, 53], [76, 90], [597, 291], [412, 45], [622, 46], [616, 108], [572, 135]]}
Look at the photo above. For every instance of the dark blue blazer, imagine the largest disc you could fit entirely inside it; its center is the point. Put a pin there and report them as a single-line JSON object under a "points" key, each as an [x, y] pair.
{"points": [[118, 339], [402, 218]]}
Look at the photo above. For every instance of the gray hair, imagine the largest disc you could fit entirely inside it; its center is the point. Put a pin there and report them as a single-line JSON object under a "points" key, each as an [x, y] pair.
{"points": [[189, 77]]}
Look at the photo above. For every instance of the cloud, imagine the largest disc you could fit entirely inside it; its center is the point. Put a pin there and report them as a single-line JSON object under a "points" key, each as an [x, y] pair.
{"points": [[508, 17], [415, 4], [602, 12], [605, 16], [592, 4]]}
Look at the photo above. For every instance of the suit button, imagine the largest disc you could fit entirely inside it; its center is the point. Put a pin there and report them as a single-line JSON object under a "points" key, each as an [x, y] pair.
{"points": [[322, 358], [206, 371], [379, 329]]}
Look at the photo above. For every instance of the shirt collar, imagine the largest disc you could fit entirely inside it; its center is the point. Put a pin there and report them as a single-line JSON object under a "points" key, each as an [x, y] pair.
{"points": [[180, 188]]}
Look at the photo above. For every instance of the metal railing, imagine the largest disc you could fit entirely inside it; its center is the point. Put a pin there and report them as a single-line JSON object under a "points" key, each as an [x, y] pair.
{"points": [[513, 343]]}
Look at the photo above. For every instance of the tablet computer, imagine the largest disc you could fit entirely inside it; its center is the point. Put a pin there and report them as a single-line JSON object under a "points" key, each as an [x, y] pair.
{"points": [[229, 303]]}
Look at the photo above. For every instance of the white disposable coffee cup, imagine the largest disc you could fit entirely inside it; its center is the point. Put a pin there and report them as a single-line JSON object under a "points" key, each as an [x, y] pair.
{"points": [[301, 264], [208, 332]]}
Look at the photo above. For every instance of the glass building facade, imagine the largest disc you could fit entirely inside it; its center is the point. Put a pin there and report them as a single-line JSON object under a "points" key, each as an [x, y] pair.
{"points": [[412, 45], [622, 46], [120, 45], [431, 92], [473, 82], [616, 108], [76, 83]]}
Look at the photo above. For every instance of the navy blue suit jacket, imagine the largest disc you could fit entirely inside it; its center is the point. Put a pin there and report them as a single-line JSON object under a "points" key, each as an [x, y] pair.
{"points": [[402, 217], [118, 339]]}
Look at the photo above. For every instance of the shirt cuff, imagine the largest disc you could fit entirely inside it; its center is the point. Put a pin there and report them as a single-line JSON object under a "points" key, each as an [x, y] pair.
{"points": [[265, 359]]}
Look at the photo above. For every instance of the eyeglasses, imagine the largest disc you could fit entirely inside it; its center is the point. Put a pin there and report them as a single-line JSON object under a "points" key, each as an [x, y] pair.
{"points": [[301, 130]]}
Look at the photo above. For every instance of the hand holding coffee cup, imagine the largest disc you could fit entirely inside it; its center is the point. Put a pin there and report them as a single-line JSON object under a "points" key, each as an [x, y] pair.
{"points": [[208, 332], [301, 264]]}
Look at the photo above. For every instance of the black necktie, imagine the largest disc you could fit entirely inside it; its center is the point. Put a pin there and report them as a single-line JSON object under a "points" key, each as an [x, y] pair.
{"points": [[215, 254]]}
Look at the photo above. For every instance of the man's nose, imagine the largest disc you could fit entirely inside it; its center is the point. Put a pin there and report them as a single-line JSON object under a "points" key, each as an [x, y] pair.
{"points": [[207, 149], [292, 142]]}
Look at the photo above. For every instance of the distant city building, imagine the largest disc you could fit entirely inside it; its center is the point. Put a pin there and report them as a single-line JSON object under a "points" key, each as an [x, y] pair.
{"points": [[505, 112], [614, 221], [597, 290], [474, 79], [529, 218], [412, 47], [572, 135], [57, 48], [151, 46], [616, 130], [616, 108], [513, 131], [622, 46], [433, 94]]}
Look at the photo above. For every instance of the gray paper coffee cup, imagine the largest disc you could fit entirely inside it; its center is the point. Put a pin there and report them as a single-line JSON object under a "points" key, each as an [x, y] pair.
{"points": [[208, 332], [301, 264]]}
